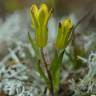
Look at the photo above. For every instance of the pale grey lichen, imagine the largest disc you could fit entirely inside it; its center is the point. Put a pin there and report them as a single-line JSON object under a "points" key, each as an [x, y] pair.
{"points": [[19, 79], [87, 85]]}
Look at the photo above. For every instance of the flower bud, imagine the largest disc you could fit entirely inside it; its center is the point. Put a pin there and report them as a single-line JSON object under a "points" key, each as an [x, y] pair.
{"points": [[40, 19], [64, 31]]}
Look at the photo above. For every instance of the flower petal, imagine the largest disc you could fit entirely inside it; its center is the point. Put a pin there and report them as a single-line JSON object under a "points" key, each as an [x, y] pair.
{"points": [[34, 14], [43, 14]]}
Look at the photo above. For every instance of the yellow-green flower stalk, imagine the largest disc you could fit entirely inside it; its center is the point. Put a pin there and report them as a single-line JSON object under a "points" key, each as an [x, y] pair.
{"points": [[40, 17], [64, 31]]}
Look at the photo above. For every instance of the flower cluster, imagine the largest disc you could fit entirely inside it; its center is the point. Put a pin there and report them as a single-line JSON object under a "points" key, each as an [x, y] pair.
{"points": [[40, 19]]}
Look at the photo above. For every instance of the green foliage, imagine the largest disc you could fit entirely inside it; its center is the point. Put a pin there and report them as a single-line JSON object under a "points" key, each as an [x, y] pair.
{"points": [[38, 55], [34, 46], [55, 69]]}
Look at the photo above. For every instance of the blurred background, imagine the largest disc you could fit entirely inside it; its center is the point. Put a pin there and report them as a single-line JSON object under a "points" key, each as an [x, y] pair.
{"points": [[15, 23]]}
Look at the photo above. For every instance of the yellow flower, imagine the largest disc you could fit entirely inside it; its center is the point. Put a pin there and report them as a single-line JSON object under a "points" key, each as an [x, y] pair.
{"points": [[64, 31], [40, 19]]}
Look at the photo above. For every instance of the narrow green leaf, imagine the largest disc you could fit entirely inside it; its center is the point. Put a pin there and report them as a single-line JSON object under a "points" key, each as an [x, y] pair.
{"points": [[40, 71], [55, 69], [53, 66], [34, 46]]}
